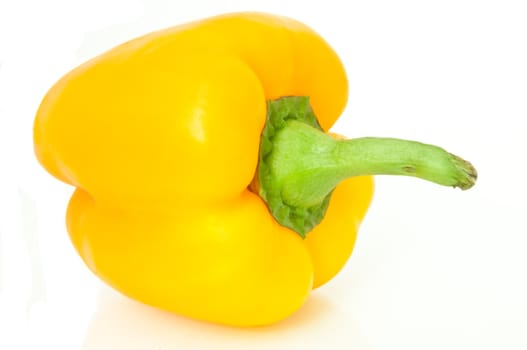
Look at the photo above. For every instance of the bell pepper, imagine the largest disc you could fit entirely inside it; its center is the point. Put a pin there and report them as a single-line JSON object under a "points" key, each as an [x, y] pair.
{"points": [[205, 181]]}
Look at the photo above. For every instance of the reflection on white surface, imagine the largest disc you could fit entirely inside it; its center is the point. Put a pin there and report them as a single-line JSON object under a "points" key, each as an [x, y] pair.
{"points": [[21, 277], [120, 323], [29, 232], [18, 229]]}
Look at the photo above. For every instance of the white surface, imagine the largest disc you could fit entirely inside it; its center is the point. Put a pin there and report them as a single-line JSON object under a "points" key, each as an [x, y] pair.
{"points": [[433, 268]]}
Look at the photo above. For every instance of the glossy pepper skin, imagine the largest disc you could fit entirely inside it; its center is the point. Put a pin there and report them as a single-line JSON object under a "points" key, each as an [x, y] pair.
{"points": [[160, 137]]}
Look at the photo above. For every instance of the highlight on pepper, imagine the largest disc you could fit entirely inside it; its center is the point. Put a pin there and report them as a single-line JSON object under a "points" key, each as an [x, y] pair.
{"points": [[206, 182]]}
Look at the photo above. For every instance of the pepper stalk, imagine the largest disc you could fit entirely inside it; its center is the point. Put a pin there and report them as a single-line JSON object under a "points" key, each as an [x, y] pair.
{"points": [[300, 164]]}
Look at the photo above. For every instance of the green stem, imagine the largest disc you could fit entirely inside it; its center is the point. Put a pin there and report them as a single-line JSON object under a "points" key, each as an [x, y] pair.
{"points": [[300, 165], [324, 162]]}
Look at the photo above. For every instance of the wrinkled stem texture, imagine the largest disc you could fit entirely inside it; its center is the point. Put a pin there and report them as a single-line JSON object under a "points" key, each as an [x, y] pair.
{"points": [[324, 162], [300, 164]]}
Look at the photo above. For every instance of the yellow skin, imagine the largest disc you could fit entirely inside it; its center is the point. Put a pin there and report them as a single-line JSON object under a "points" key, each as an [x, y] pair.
{"points": [[160, 136]]}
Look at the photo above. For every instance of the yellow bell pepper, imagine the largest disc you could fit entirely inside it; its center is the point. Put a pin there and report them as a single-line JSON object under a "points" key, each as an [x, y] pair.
{"points": [[203, 185]]}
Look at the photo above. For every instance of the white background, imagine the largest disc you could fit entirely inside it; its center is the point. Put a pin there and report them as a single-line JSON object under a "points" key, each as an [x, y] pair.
{"points": [[433, 268]]}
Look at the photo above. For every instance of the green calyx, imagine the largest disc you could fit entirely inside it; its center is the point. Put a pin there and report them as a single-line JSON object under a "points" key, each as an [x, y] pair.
{"points": [[300, 164]]}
